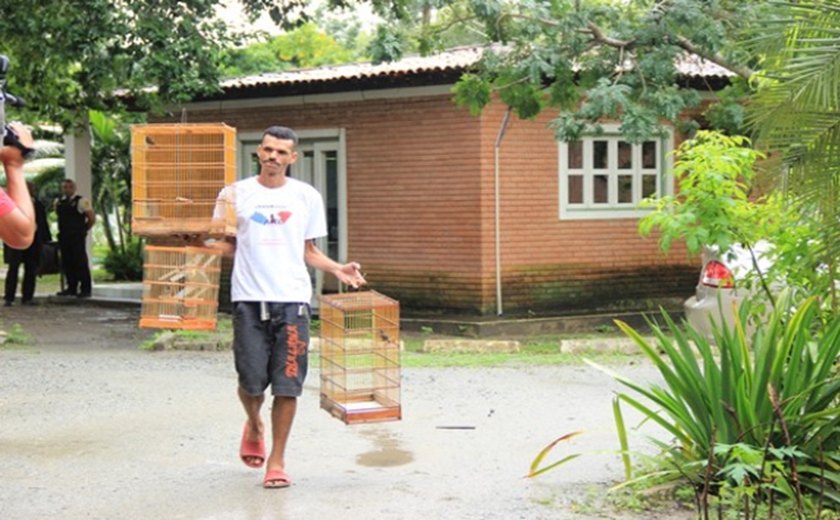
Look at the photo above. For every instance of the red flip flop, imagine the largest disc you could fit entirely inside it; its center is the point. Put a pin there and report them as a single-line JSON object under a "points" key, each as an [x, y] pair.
{"points": [[276, 478], [251, 449]]}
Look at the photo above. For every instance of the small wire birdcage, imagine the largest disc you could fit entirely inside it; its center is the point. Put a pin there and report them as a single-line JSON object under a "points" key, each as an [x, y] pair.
{"points": [[180, 287], [178, 171], [360, 357]]}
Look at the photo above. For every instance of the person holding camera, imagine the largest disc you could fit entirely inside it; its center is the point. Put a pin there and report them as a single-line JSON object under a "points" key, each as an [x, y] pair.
{"points": [[29, 257], [17, 214]]}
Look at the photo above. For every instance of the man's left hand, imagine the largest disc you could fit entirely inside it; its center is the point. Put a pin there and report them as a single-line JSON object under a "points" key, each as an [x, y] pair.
{"points": [[351, 274]]}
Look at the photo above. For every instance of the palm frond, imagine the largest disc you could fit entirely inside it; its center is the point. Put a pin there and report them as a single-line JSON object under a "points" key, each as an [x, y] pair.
{"points": [[799, 100], [796, 111], [47, 149]]}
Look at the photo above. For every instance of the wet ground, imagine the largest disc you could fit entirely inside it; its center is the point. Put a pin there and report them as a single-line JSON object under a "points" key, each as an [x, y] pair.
{"points": [[94, 428]]}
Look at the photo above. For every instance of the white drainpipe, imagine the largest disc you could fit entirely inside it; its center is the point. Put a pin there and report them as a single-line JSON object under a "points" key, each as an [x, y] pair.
{"points": [[498, 227]]}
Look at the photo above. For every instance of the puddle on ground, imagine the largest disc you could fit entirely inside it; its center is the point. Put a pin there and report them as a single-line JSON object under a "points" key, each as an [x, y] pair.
{"points": [[387, 452]]}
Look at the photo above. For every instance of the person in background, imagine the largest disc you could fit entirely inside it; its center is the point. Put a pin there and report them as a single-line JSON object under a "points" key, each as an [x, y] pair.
{"points": [[29, 257], [75, 218]]}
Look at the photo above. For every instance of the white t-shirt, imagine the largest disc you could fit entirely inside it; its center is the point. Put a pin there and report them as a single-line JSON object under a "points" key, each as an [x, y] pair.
{"points": [[273, 225]]}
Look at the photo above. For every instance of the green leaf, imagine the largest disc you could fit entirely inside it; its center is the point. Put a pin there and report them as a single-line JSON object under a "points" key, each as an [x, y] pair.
{"points": [[563, 92], [387, 45], [525, 99], [622, 439], [536, 470], [473, 92]]}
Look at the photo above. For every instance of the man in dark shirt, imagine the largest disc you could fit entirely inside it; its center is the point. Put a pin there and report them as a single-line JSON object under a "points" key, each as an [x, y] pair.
{"points": [[75, 218]]}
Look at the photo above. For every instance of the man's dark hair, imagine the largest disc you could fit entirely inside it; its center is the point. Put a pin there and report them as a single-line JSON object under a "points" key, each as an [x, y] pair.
{"points": [[281, 132]]}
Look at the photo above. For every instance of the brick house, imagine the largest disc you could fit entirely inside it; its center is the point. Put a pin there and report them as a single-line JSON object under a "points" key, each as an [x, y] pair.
{"points": [[412, 184]]}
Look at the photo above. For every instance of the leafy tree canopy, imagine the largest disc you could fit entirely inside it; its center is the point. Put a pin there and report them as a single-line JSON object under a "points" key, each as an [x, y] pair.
{"points": [[618, 55], [72, 57], [306, 46], [69, 57]]}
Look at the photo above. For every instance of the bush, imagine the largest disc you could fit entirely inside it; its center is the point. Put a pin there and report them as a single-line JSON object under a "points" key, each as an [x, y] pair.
{"points": [[126, 263], [756, 421]]}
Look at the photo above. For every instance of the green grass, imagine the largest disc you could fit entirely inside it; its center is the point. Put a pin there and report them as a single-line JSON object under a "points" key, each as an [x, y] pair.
{"points": [[475, 360], [524, 357], [15, 337], [543, 350], [223, 332], [490, 360]]}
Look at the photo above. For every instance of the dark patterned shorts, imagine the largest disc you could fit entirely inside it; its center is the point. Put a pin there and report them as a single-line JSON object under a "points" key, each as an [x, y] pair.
{"points": [[270, 342]]}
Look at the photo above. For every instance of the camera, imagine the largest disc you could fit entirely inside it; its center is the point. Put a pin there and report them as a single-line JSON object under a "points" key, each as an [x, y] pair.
{"points": [[10, 138]]}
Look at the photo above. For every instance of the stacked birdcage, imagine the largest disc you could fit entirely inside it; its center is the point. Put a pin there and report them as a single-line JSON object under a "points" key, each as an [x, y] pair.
{"points": [[360, 356], [178, 171], [180, 287]]}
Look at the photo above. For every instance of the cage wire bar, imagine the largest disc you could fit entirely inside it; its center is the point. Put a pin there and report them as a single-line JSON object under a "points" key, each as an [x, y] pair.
{"points": [[180, 287], [360, 357], [177, 173]]}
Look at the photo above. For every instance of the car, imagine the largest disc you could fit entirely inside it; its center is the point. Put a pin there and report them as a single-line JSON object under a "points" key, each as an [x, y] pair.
{"points": [[722, 286]]}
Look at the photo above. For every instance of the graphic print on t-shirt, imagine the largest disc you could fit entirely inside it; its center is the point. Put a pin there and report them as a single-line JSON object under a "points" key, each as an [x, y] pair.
{"points": [[273, 225], [279, 218]]}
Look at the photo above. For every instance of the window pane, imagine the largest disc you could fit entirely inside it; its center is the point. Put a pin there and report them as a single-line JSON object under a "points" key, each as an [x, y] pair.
{"points": [[625, 188], [625, 155], [600, 191], [331, 164], [649, 154], [576, 155], [575, 189], [600, 154], [648, 185]]}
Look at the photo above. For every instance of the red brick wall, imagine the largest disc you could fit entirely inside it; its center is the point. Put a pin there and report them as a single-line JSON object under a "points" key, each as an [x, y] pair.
{"points": [[553, 264], [421, 210], [413, 189]]}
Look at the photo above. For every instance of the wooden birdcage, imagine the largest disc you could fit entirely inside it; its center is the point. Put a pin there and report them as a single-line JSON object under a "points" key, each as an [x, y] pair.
{"points": [[180, 287], [177, 173], [360, 357]]}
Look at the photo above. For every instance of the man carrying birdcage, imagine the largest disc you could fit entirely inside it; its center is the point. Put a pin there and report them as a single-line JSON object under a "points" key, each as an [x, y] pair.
{"points": [[278, 219]]}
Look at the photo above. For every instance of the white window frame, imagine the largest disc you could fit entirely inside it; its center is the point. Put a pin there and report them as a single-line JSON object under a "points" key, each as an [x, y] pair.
{"points": [[612, 209]]}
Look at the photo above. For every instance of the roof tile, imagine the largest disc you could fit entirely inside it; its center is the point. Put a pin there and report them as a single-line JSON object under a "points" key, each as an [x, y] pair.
{"points": [[461, 58]]}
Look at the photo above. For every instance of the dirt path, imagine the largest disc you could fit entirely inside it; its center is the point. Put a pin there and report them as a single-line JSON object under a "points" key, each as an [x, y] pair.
{"points": [[94, 428]]}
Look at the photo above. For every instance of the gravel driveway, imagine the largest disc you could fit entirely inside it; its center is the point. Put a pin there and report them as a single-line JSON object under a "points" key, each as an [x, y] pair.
{"points": [[93, 428]]}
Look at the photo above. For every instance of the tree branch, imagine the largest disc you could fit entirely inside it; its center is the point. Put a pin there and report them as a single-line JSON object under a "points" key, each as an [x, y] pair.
{"points": [[685, 44], [512, 83], [438, 29], [599, 36], [681, 41], [516, 16]]}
